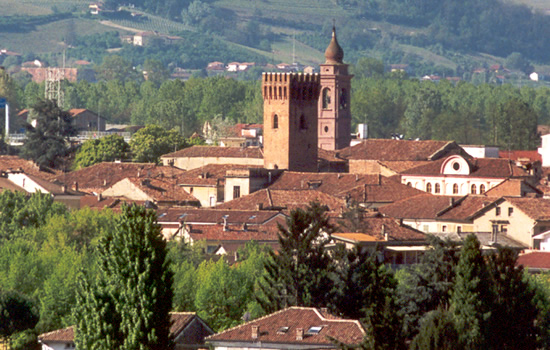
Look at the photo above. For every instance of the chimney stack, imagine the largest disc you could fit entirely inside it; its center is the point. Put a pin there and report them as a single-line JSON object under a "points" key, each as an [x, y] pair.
{"points": [[259, 206], [76, 185], [225, 227], [299, 334], [255, 332]]}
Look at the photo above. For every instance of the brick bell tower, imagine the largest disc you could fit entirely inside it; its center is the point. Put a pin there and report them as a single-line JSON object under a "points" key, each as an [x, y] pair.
{"points": [[290, 121], [334, 101]]}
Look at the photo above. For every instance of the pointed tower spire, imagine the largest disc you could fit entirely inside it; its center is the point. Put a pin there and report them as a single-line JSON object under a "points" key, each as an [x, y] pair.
{"points": [[334, 53]]}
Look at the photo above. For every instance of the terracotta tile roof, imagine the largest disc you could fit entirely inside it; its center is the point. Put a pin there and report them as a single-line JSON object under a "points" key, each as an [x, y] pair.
{"points": [[271, 331], [358, 187], [60, 335], [215, 216], [97, 202], [329, 156], [535, 260], [512, 187], [536, 208], [284, 199], [179, 321], [530, 156], [258, 233], [479, 167], [216, 152], [7, 185], [401, 166], [401, 150], [98, 177], [157, 190], [466, 207], [423, 206], [375, 228], [208, 175], [14, 163]]}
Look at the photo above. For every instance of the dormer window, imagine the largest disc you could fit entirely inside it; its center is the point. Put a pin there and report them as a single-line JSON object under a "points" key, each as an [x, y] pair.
{"points": [[283, 330], [314, 330]]}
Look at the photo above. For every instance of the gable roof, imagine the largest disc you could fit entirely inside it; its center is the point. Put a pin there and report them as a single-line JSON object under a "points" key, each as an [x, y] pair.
{"points": [[536, 208], [215, 216], [535, 260], [479, 167], [400, 150], [270, 329], [208, 175], [283, 199], [157, 190], [98, 177], [512, 187], [423, 206], [14, 164], [374, 229], [522, 156], [179, 320], [358, 187], [216, 152], [235, 233]]}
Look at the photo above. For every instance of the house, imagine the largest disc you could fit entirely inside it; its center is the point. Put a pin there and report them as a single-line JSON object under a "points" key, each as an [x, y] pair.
{"points": [[243, 135], [458, 175], [187, 328], [284, 200], [523, 219], [178, 222], [160, 192], [400, 244], [514, 188], [290, 328], [371, 156], [14, 163], [198, 156], [98, 177], [40, 74], [86, 120], [371, 191], [482, 151], [145, 38], [232, 67]]}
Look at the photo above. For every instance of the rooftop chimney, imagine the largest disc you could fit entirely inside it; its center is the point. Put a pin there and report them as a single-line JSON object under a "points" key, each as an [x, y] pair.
{"points": [[225, 227], [384, 233], [259, 206], [255, 332], [299, 334], [75, 186]]}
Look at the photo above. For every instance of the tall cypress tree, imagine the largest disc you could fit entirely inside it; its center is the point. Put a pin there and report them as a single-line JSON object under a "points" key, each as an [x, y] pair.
{"points": [[299, 274], [127, 305], [471, 297]]}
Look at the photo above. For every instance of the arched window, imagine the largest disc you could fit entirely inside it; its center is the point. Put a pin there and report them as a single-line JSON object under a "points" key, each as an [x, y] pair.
{"points": [[275, 121], [303, 125], [326, 98], [409, 184], [343, 99], [481, 189], [429, 187], [437, 188], [474, 189], [455, 189]]}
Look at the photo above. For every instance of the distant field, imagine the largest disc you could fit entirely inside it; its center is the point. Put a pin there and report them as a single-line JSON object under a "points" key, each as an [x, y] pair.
{"points": [[40, 7], [49, 37]]}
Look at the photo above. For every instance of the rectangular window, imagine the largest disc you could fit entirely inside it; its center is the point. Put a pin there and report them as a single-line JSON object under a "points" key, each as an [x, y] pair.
{"points": [[510, 211], [504, 229], [497, 211], [459, 229], [444, 228], [236, 191]]}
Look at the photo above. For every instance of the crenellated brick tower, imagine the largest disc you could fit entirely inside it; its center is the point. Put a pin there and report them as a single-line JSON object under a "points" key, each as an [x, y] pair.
{"points": [[290, 120]]}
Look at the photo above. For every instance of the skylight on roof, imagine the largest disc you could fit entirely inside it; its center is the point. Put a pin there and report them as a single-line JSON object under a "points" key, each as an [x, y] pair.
{"points": [[283, 330], [314, 330], [162, 215]]}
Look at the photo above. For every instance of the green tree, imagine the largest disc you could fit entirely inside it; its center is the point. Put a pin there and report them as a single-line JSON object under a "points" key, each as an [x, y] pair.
{"points": [[471, 296], [156, 72], [299, 274], [17, 313], [127, 305], [48, 142], [105, 149], [437, 332], [115, 67], [151, 142]]}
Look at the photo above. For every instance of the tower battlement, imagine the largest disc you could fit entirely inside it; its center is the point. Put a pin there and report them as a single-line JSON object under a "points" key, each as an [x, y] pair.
{"points": [[296, 86]]}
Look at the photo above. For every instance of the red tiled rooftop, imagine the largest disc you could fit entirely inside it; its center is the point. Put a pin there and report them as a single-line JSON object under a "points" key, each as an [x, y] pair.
{"points": [[530, 156], [400, 150], [215, 215], [536, 260], [479, 167], [423, 206], [375, 228], [345, 331], [60, 335], [208, 175], [216, 152], [14, 163], [536, 208]]}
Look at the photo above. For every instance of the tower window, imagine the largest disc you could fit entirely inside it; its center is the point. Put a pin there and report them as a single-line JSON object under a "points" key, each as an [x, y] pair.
{"points": [[326, 98], [275, 121], [236, 191], [326, 128], [343, 99], [303, 125]]}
